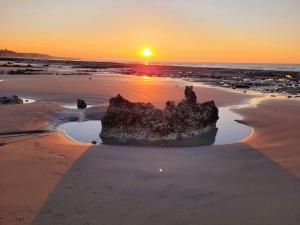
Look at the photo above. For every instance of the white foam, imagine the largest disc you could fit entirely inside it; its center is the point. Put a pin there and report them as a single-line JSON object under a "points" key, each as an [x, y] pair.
{"points": [[74, 106], [28, 100]]}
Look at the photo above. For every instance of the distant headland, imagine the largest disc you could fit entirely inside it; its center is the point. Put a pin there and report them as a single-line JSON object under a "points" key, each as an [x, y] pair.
{"points": [[5, 53]]}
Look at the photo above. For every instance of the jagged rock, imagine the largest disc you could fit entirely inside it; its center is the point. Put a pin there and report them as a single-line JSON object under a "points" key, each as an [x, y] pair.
{"points": [[190, 95], [11, 100], [81, 104], [125, 120]]}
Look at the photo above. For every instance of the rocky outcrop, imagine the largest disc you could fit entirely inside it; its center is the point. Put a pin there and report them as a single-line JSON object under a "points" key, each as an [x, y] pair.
{"points": [[81, 104], [140, 121], [11, 100]]}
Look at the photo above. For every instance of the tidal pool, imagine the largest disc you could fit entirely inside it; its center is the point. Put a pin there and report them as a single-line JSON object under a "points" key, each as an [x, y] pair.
{"points": [[84, 132], [228, 131]]}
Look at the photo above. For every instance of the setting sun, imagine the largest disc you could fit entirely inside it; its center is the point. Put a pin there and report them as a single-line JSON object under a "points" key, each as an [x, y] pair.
{"points": [[147, 52]]}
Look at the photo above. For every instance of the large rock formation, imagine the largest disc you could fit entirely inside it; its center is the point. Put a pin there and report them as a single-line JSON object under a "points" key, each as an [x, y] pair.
{"points": [[125, 120]]}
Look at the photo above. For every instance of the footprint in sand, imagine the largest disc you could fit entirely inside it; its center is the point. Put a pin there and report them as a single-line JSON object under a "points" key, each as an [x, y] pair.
{"points": [[20, 219], [62, 156]]}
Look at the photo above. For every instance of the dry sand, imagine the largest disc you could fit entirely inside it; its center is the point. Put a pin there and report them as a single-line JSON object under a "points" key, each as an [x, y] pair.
{"points": [[277, 131], [30, 165], [232, 184]]}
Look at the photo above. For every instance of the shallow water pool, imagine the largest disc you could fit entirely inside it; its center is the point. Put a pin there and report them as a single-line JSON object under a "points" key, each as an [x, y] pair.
{"points": [[228, 131]]}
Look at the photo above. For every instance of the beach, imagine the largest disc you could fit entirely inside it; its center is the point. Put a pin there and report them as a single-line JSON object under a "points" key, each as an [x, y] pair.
{"points": [[150, 112], [49, 179]]}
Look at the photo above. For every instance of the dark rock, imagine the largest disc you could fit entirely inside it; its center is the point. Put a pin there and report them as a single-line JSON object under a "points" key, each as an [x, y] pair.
{"points": [[73, 118], [190, 95], [2, 144], [94, 142], [125, 120], [242, 122], [242, 86], [11, 100], [170, 105], [81, 104]]}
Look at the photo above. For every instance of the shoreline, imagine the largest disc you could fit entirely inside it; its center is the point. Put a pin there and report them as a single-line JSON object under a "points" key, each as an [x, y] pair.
{"points": [[263, 81], [212, 65]]}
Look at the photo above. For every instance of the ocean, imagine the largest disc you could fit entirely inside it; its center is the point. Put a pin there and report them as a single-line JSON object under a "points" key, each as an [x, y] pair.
{"points": [[260, 66]]}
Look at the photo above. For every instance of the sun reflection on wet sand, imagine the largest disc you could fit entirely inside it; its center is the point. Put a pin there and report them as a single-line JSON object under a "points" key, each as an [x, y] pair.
{"points": [[146, 78]]}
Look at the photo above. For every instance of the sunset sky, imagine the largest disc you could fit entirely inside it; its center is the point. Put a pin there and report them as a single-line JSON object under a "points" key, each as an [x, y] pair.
{"points": [[258, 31]]}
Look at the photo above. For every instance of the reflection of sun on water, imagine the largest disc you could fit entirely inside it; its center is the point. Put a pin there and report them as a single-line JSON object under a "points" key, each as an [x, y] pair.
{"points": [[146, 78]]}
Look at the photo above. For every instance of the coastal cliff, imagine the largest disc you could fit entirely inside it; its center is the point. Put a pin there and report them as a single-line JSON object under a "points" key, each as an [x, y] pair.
{"points": [[125, 120]]}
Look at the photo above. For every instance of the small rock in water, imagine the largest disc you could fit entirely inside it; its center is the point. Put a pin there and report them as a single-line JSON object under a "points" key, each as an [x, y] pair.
{"points": [[125, 120], [94, 142], [11, 100], [73, 118], [81, 104]]}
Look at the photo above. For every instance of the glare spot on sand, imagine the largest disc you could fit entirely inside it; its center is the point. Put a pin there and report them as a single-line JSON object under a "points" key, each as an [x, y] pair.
{"points": [[161, 170]]}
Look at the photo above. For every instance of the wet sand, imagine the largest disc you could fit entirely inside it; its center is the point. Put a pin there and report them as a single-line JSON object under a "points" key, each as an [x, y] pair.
{"points": [[209, 185], [101, 88], [26, 117], [52, 180]]}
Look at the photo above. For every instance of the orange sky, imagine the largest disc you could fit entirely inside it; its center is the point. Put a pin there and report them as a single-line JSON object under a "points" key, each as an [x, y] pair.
{"points": [[203, 30]]}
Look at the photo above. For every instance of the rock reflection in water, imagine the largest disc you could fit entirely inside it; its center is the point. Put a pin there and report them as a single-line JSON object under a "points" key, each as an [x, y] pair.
{"points": [[207, 138]]}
